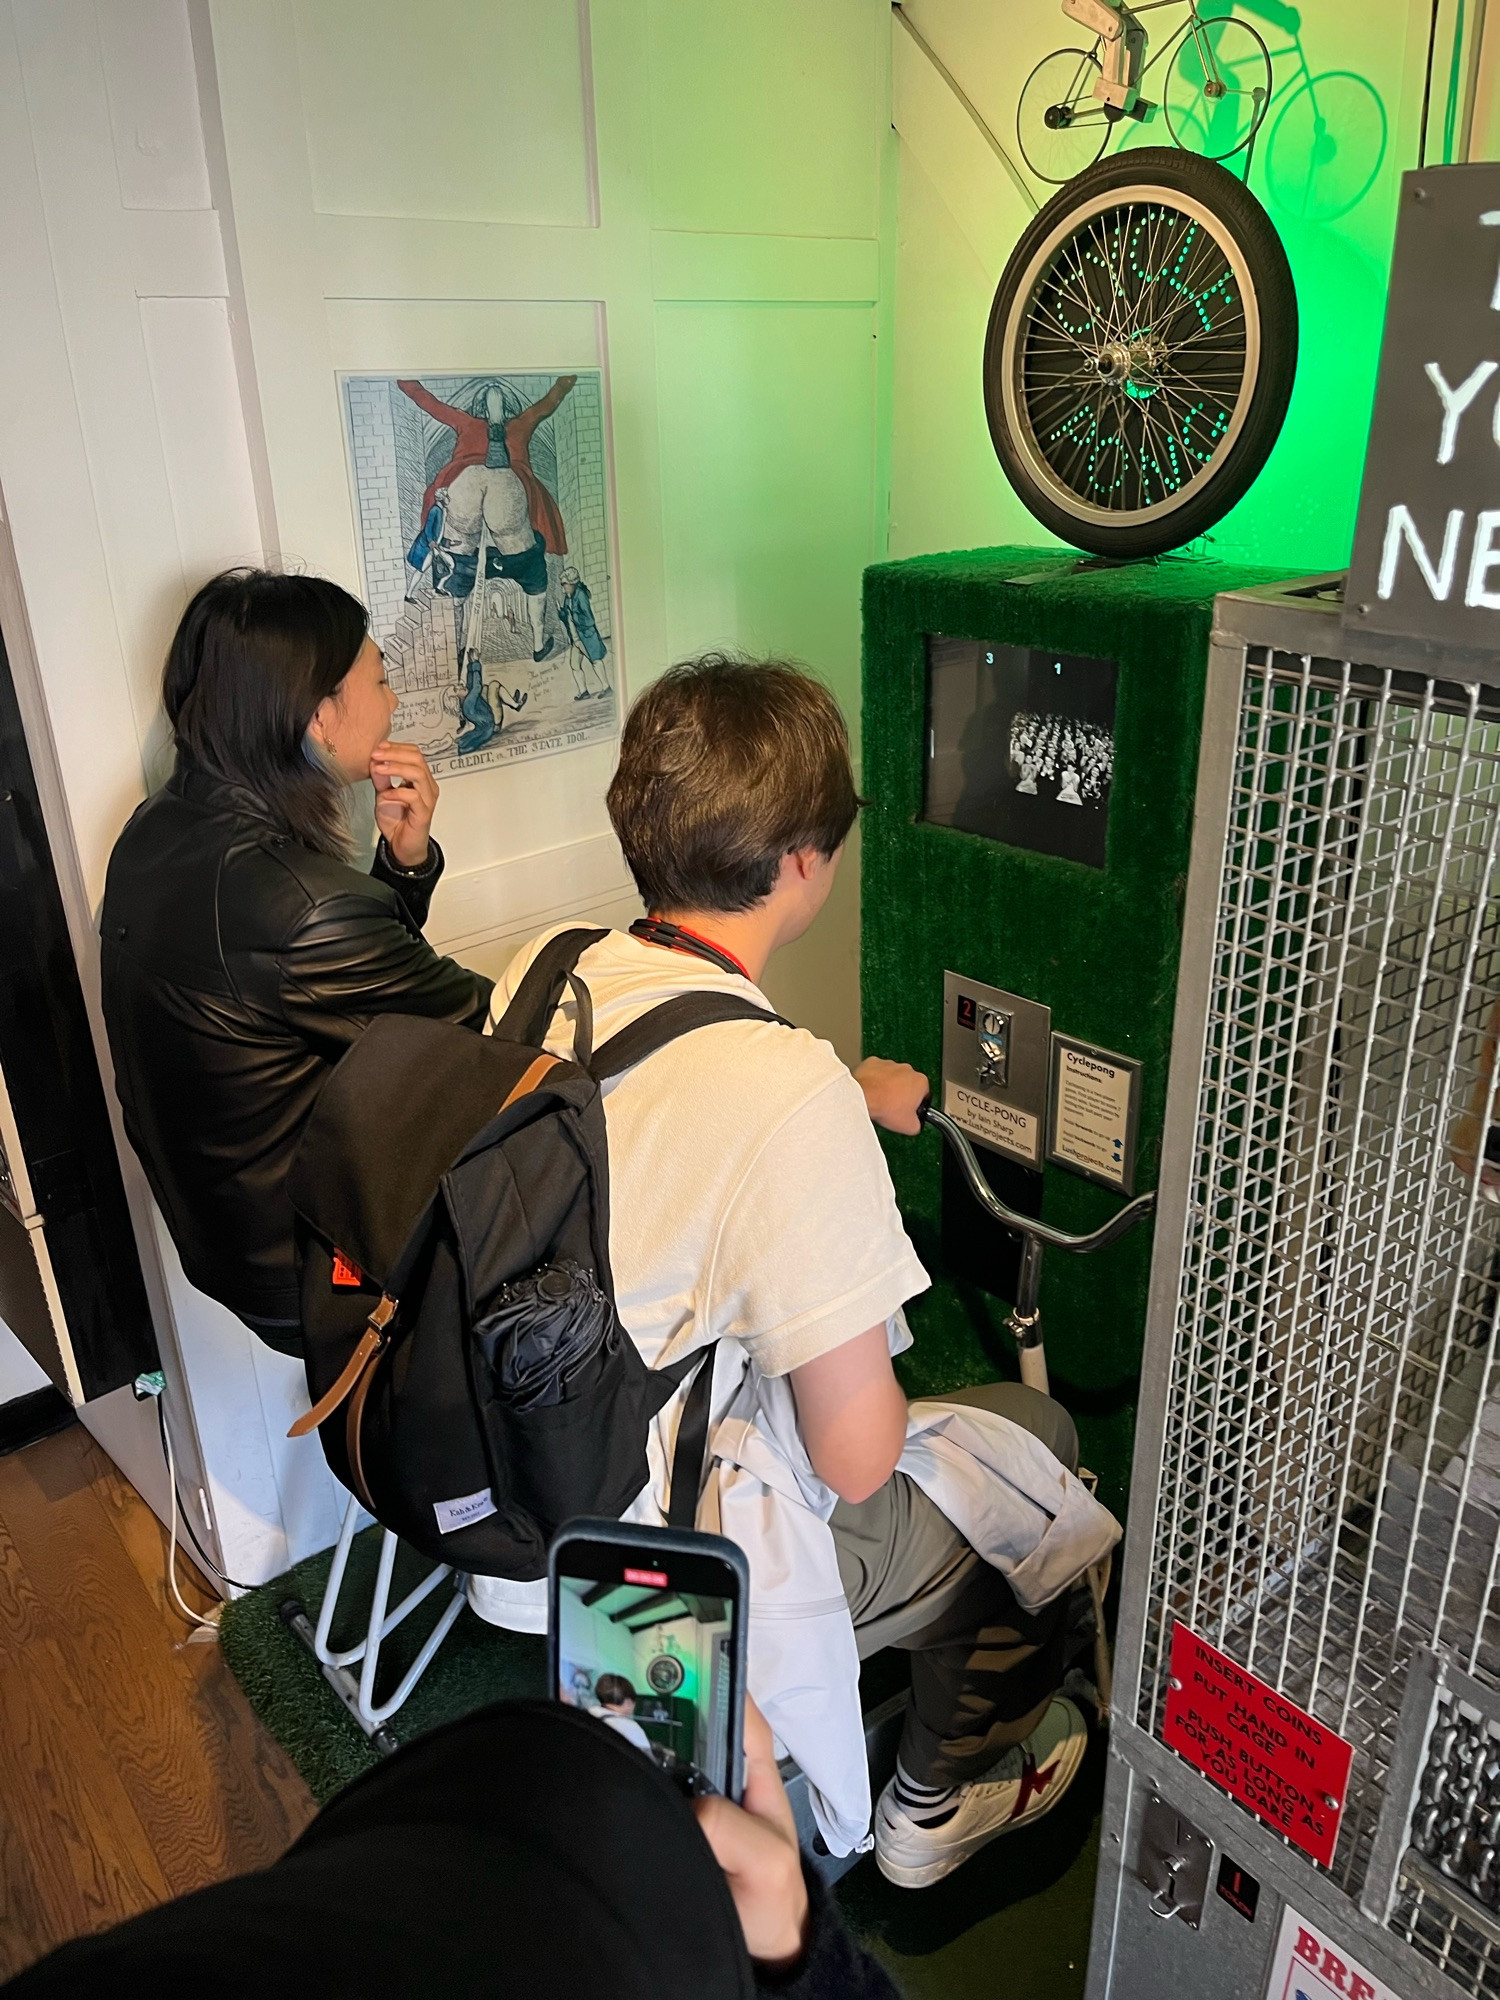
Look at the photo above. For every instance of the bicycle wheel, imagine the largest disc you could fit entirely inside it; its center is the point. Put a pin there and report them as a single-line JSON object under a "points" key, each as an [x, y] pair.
{"points": [[1218, 87], [1140, 353], [1061, 126]]}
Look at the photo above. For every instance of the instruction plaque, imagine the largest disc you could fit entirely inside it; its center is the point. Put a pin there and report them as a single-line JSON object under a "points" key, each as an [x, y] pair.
{"points": [[1093, 1111], [1290, 1769]]}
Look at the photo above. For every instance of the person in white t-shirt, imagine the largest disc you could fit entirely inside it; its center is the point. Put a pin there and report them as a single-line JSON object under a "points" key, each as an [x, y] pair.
{"points": [[750, 1205], [614, 1700]]}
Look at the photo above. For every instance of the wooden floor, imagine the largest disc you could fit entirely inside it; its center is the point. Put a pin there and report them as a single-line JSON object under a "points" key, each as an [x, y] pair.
{"points": [[132, 1768]]}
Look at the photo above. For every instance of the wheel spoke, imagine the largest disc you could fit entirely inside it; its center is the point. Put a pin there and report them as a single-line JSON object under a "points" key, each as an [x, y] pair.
{"points": [[1191, 414], [1225, 332], [1158, 422], [1151, 453], [1058, 331], [1160, 285], [1156, 223], [1122, 239], [1073, 281], [1207, 257], [1101, 237]]}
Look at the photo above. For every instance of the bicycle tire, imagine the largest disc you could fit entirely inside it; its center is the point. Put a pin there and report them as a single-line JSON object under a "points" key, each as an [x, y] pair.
{"points": [[1193, 461]]}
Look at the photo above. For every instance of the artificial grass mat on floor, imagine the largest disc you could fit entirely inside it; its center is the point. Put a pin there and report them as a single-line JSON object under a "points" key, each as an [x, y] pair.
{"points": [[476, 1663], [1023, 1905]]}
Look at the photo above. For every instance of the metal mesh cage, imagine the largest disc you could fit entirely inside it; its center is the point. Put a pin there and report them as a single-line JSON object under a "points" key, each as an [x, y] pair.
{"points": [[1329, 1500]]}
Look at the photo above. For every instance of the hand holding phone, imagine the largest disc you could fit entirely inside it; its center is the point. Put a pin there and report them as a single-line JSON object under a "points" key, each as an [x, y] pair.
{"points": [[755, 1843], [647, 1631]]}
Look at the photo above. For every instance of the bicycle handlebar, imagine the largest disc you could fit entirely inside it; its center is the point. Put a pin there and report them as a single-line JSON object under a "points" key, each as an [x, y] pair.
{"points": [[1028, 1225]]}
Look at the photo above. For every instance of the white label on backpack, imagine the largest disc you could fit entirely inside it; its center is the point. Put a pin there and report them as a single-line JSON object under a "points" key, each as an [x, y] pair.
{"points": [[453, 1514]]}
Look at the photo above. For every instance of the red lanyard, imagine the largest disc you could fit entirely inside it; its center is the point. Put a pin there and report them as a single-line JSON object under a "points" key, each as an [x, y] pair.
{"points": [[675, 937]]}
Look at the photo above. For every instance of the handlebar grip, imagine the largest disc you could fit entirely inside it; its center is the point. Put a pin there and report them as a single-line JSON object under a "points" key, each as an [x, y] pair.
{"points": [[926, 1105]]}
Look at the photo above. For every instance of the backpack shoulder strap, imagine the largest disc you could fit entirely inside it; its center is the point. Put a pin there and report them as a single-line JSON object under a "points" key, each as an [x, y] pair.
{"points": [[691, 1451], [665, 1023], [534, 1002]]}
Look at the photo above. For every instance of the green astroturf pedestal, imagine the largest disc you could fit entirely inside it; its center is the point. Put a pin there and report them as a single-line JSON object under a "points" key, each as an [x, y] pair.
{"points": [[1099, 947]]}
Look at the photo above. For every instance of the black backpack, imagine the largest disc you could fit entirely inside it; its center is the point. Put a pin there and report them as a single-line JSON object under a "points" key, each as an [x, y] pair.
{"points": [[470, 1377]]}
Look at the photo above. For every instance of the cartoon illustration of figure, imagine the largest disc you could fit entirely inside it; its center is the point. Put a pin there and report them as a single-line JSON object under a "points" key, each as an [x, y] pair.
{"points": [[487, 494], [482, 720], [587, 646]]}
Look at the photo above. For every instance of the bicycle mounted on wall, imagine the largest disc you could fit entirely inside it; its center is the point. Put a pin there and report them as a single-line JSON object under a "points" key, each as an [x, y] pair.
{"points": [[1142, 343], [1215, 91]]}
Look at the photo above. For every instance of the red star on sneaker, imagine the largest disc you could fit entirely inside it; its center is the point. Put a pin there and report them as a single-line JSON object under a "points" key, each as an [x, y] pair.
{"points": [[1033, 1783]]}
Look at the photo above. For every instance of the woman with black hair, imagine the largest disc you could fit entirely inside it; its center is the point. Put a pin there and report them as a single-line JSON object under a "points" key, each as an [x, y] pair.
{"points": [[242, 950]]}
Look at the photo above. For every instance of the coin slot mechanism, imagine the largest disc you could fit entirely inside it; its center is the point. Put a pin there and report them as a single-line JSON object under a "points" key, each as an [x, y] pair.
{"points": [[1172, 1861], [996, 1051]]}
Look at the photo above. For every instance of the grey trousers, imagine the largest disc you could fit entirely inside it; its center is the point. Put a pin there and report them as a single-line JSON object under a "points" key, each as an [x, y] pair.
{"points": [[983, 1668]]}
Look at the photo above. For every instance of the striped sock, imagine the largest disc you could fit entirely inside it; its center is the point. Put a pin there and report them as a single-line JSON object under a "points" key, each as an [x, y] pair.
{"points": [[927, 1805]]}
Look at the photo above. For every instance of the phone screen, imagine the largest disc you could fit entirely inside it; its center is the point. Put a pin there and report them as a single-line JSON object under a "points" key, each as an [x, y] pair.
{"points": [[647, 1640]]}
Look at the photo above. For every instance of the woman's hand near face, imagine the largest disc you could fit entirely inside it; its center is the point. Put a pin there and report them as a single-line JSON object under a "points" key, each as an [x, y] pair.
{"points": [[403, 812]]}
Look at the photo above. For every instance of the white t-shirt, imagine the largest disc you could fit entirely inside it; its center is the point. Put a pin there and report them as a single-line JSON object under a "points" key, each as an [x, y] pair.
{"points": [[626, 1726], [749, 1197]]}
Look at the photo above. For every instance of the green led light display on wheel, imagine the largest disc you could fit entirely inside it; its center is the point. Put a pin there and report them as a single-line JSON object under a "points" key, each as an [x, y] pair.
{"points": [[1141, 352]]}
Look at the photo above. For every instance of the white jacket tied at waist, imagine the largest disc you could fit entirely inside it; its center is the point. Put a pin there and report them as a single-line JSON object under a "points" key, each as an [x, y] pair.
{"points": [[1016, 1505]]}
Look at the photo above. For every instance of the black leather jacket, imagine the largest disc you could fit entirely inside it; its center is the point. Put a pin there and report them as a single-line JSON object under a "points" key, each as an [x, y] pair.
{"points": [[238, 966]]}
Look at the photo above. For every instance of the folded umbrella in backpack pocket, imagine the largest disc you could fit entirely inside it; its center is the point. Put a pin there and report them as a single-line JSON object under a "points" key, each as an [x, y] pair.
{"points": [[541, 1333]]}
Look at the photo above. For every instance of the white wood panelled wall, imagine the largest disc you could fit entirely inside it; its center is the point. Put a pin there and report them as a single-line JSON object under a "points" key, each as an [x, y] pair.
{"points": [[207, 210]]}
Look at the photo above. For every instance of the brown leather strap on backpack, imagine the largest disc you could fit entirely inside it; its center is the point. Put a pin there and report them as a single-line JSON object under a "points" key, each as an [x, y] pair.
{"points": [[354, 1430], [530, 1078], [371, 1342]]}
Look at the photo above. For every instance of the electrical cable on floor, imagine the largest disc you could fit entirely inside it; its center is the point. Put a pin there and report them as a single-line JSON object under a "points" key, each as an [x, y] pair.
{"points": [[194, 1618], [204, 1625], [202, 1554]]}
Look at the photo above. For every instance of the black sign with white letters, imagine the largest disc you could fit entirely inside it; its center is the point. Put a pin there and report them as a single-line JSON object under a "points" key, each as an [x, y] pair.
{"points": [[1426, 561]]}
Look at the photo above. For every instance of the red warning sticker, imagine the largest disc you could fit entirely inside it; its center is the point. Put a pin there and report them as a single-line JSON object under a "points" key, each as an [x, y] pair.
{"points": [[349, 1277], [1291, 1770]]}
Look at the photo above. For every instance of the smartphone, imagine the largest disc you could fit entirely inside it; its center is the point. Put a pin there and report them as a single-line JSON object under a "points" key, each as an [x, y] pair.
{"points": [[647, 1630]]}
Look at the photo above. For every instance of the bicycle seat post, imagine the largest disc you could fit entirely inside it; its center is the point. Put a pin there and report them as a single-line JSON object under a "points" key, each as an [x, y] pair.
{"points": [[1025, 1321]]}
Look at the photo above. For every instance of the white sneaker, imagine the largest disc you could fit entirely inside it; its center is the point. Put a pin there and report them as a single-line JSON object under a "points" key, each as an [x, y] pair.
{"points": [[1028, 1781]]}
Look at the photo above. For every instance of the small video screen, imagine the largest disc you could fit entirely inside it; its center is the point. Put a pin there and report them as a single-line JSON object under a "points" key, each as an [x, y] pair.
{"points": [[1021, 746], [655, 1663]]}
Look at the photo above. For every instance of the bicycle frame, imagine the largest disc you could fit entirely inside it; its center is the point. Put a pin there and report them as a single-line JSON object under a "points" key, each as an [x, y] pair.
{"points": [[1191, 24]]}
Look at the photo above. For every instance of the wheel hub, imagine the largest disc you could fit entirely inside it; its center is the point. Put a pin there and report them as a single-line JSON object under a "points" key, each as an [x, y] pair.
{"points": [[1132, 364]]}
